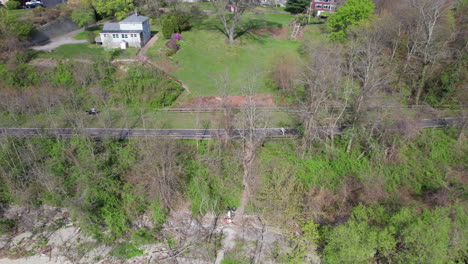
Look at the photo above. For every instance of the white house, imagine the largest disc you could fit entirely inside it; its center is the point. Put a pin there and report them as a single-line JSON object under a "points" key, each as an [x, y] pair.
{"points": [[134, 31]]}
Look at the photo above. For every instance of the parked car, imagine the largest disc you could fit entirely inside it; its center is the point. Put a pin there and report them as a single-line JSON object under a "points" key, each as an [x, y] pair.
{"points": [[33, 4]]}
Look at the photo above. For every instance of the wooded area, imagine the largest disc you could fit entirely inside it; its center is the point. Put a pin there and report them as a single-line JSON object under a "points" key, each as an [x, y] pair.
{"points": [[380, 192]]}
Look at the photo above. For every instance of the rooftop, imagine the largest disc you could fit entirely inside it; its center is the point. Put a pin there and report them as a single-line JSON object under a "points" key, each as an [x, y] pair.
{"points": [[111, 27], [135, 18]]}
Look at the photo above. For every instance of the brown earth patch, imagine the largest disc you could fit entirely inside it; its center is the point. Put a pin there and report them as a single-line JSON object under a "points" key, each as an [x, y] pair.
{"points": [[236, 101], [165, 65], [43, 64], [275, 33]]}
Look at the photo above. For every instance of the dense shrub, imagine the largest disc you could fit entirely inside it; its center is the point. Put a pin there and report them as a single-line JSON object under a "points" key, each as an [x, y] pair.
{"points": [[11, 26], [183, 21], [20, 76], [91, 37], [7, 226], [126, 250], [12, 4], [142, 85], [303, 19], [325, 14], [176, 23]]}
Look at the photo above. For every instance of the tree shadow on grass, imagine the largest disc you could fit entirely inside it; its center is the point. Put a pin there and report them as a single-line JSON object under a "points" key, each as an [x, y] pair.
{"points": [[245, 28]]}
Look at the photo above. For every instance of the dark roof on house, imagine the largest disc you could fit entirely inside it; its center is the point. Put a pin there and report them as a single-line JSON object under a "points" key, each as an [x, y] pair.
{"points": [[111, 26], [135, 18], [121, 31], [115, 28]]}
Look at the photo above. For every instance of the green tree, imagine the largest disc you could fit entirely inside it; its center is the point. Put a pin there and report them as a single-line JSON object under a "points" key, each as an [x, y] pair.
{"points": [[357, 240], [169, 26], [117, 8], [351, 13], [304, 243], [424, 238], [296, 6], [83, 16]]}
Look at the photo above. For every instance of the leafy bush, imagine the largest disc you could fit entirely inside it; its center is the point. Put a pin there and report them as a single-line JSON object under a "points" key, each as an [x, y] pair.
{"points": [[21, 76], [210, 192], [159, 214], [143, 236], [303, 19], [62, 75], [12, 4], [91, 37], [325, 14], [170, 52], [7, 226], [11, 26], [126, 251], [182, 21]]}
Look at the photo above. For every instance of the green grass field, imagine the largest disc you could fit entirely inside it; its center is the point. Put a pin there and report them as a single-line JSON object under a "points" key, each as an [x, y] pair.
{"points": [[205, 56], [21, 13], [84, 34], [88, 51]]}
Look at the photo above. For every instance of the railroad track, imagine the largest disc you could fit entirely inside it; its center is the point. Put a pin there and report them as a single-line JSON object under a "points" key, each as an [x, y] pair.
{"points": [[199, 133]]}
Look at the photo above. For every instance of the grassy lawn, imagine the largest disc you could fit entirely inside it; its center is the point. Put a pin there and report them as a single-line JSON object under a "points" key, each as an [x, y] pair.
{"points": [[84, 35], [204, 55], [21, 13], [86, 51]]}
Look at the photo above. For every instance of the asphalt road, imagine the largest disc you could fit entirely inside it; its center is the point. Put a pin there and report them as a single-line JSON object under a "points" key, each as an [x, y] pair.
{"points": [[52, 3], [195, 133]]}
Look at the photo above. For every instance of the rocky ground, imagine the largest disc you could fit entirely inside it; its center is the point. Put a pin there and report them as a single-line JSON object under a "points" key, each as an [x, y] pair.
{"points": [[47, 235]]}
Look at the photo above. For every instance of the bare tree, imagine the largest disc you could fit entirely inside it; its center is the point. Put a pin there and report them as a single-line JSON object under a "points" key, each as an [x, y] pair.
{"points": [[230, 13], [367, 65], [428, 36], [158, 172], [326, 92], [252, 124]]}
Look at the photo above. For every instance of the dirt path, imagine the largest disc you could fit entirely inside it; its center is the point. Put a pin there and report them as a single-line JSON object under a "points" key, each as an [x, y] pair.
{"points": [[227, 243], [143, 58], [142, 53]]}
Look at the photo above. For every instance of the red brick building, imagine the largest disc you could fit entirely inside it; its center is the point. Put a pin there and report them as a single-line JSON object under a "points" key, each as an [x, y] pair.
{"points": [[323, 5]]}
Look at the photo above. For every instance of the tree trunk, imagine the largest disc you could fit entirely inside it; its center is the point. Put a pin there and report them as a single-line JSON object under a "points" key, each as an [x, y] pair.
{"points": [[231, 37], [421, 84]]}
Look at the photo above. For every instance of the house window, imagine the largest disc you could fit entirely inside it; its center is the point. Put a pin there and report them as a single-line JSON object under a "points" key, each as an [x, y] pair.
{"points": [[105, 35], [115, 35], [318, 6], [124, 36], [326, 6]]}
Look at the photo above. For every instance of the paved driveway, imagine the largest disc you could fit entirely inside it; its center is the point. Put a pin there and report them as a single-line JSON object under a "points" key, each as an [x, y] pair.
{"points": [[53, 3], [58, 41]]}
